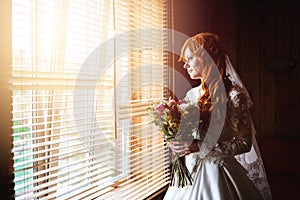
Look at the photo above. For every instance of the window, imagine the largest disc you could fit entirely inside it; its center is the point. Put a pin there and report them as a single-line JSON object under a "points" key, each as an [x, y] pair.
{"points": [[80, 90]]}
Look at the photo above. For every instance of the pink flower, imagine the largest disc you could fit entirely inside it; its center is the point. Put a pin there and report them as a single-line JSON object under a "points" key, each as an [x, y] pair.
{"points": [[160, 109], [182, 101], [171, 102]]}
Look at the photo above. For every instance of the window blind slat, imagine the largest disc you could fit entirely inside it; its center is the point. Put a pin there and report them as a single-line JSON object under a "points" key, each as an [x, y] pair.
{"points": [[91, 160]]}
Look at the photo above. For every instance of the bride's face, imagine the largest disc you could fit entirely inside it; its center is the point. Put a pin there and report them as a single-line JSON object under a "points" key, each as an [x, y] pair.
{"points": [[192, 64]]}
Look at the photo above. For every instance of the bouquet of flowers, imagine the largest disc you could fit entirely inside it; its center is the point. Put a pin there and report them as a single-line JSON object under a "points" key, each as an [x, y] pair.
{"points": [[177, 120]]}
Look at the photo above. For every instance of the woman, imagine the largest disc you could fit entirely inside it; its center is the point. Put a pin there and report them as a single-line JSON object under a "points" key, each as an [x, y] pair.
{"points": [[224, 162]]}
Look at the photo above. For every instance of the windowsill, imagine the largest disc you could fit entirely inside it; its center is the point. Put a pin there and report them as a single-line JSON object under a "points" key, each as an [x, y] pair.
{"points": [[158, 195]]}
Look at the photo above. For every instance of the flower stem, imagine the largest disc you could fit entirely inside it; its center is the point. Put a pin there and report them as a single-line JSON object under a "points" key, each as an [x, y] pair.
{"points": [[181, 176]]}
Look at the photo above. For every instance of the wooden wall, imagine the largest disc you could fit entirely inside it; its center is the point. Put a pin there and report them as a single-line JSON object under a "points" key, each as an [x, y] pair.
{"points": [[254, 32]]}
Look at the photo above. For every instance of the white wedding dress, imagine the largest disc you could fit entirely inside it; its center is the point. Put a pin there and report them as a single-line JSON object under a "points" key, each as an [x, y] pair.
{"points": [[219, 175]]}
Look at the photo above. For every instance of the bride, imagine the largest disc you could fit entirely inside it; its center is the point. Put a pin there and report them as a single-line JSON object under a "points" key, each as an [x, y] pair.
{"points": [[223, 158]]}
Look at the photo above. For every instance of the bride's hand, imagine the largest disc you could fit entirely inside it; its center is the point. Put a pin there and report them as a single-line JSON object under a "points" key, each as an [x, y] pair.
{"points": [[181, 148]]}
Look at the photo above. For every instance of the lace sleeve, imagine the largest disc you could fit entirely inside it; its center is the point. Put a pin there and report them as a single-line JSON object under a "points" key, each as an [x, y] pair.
{"points": [[240, 121]]}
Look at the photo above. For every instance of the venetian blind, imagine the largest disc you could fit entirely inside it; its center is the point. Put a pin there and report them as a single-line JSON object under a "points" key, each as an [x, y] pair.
{"points": [[82, 78]]}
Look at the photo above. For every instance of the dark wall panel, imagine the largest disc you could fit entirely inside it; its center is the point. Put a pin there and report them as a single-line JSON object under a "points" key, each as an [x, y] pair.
{"points": [[254, 33]]}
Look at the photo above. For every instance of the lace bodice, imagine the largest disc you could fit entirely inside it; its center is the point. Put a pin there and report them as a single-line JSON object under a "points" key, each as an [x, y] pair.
{"points": [[236, 135]]}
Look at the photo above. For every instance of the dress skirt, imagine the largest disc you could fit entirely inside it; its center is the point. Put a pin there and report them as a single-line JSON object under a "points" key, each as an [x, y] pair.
{"points": [[222, 179]]}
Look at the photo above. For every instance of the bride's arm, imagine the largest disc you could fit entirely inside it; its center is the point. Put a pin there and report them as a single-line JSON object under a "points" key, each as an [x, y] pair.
{"points": [[241, 141], [241, 126]]}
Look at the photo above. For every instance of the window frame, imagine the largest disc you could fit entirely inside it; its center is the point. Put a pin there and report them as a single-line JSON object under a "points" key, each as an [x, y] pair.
{"points": [[9, 123]]}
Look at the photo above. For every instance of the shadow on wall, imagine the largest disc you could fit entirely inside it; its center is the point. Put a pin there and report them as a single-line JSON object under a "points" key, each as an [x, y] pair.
{"points": [[281, 159]]}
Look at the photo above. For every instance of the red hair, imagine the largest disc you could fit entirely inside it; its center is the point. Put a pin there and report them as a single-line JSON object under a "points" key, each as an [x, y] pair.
{"points": [[208, 46]]}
